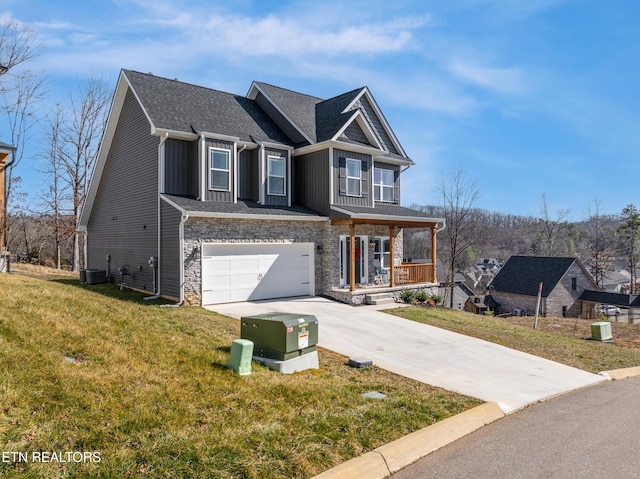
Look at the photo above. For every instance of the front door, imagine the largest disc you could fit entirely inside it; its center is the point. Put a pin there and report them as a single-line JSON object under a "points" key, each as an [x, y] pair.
{"points": [[361, 260]]}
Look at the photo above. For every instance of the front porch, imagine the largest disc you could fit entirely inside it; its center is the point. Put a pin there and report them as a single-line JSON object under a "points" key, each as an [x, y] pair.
{"points": [[387, 271], [362, 293]]}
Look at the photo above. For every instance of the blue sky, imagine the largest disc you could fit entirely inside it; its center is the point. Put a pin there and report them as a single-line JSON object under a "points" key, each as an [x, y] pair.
{"points": [[528, 97]]}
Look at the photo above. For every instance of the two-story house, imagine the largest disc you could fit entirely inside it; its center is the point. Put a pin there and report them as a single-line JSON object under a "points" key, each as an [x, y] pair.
{"points": [[209, 197]]}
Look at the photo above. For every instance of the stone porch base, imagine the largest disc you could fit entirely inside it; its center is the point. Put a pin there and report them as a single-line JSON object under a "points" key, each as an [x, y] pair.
{"points": [[358, 296]]}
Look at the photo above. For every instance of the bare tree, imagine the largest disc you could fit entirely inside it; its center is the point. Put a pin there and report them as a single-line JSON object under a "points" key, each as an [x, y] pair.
{"points": [[19, 92], [459, 196], [81, 135], [629, 232], [599, 243], [551, 231]]}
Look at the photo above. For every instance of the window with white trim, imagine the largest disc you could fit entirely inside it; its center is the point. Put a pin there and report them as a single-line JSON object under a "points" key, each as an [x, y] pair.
{"points": [[383, 185], [354, 180], [277, 181], [219, 171], [382, 251]]}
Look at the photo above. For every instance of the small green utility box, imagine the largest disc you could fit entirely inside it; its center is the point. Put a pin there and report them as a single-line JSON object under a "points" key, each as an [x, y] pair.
{"points": [[241, 354], [601, 331], [280, 336]]}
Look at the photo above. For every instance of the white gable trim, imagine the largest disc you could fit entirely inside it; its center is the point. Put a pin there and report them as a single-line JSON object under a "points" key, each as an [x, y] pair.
{"points": [[364, 125], [365, 91], [253, 93]]}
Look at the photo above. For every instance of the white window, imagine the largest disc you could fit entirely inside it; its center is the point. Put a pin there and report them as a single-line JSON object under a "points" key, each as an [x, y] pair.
{"points": [[382, 251], [354, 181], [383, 185], [276, 184], [219, 169]]}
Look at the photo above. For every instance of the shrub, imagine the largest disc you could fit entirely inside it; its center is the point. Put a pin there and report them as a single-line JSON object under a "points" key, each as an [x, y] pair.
{"points": [[407, 296], [436, 298], [421, 296]]}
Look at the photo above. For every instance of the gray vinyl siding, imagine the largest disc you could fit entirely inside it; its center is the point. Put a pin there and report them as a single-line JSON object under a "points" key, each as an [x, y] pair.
{"points": [[311, 181], [339, 179], [294, 135], [275, 200], [396, 181], [214, 195], [181, 168], [375, 124], [354, 132], [249, 178], [170, 260], [124, 218]]}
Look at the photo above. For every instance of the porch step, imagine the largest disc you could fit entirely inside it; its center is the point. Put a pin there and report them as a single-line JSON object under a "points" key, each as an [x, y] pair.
{"points": [[378, 298]]}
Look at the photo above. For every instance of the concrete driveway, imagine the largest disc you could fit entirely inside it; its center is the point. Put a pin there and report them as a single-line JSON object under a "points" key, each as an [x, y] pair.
{"points": [[431, 355]]}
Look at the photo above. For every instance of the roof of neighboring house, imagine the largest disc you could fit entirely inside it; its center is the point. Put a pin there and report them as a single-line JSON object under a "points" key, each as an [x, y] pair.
{"points": [[616, 299], [522, 274], [183, 107], [243, 208]]}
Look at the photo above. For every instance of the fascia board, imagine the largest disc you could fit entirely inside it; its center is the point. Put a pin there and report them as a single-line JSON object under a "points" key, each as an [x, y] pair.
{"points": [[253, 93], [105, 145], [415, 219], [383, 120], [175, 134], [276, 146], [367, 150]]}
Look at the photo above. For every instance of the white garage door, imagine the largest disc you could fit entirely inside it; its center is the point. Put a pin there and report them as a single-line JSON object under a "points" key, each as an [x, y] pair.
{"points": [[248, 272]]}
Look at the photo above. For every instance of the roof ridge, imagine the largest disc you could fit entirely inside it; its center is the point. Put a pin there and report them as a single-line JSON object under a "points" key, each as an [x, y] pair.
{"points": [[288, 90], [175, 80]]}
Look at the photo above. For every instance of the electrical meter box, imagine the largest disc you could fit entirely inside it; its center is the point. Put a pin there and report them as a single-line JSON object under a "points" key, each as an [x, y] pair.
{"points": [[601, 331], [280, 336]]}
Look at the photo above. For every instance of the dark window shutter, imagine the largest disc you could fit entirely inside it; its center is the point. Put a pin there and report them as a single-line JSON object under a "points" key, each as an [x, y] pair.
{"points": [[364, 178], [396, 187], [342, 168]]}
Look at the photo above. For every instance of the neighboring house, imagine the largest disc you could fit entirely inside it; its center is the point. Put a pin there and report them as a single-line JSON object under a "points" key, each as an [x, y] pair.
{"points": [[6, 158], [209, 197], [461, 292], [563, 280], [481, 304]]}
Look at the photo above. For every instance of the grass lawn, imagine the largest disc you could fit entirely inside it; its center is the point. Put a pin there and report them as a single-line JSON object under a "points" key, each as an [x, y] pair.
{"points": [[565, 340], [92, 369]]}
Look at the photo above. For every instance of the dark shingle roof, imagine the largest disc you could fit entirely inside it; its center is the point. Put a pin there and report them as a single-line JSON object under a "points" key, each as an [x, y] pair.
{"points": [[604, 297], [522, 274], [179, 106], [244, 207], [300, 108], [329, 116], [392, 211]]}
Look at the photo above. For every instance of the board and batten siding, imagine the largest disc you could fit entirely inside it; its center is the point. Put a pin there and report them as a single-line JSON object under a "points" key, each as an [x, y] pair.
{"points": [[215, 195], [248, 181], [181, 168], [311, 181], [340, 196], [170, 260], [124, 217]]}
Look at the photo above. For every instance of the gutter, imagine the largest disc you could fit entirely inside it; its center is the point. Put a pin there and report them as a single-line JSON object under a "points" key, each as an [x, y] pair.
{"points": [[161, 170]]}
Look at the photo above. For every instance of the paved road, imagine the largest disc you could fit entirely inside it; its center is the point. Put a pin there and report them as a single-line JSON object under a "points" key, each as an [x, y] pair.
{"points": [[592, 433]]}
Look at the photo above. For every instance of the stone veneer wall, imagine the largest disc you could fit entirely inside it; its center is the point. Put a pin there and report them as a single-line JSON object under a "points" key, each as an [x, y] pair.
{"points": [[223, 230]]}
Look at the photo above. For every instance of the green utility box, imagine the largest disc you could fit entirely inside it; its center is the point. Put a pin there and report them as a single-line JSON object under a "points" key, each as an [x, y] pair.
{"points": [[601, 331], [280, 336], [241, 354]]}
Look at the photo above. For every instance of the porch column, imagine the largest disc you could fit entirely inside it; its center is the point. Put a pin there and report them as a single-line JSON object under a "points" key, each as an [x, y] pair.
{"points": [[434, 255], [352, 258], [392, 257]]}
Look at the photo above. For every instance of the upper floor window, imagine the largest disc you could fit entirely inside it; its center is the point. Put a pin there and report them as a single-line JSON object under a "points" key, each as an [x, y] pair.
{"points": [[276, 184], [383, 185], [354, 180], [219, 169]]}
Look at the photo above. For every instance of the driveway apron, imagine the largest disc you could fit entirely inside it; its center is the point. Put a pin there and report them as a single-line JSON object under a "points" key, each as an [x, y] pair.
{"points": [[431, 355]]}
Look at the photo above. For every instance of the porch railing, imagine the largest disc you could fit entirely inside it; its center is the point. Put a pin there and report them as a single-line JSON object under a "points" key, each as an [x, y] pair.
{"points": [[412, 273]]}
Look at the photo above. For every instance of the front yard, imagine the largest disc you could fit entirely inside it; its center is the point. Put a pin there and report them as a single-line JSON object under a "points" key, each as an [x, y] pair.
{"points": [[96, 382]]}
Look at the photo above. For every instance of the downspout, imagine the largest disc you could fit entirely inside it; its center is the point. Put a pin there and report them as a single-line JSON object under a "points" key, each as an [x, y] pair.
{"points": [[183, 220], [236, 171], [158, 268]]}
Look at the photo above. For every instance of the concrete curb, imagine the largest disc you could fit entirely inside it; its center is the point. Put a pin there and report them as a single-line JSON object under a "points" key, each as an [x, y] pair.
{"points": [[390, 458], [622, 373]]}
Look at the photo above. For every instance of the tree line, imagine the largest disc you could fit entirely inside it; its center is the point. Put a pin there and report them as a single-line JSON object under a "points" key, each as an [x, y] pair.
{"points": [[40, 225], [472, 233]]}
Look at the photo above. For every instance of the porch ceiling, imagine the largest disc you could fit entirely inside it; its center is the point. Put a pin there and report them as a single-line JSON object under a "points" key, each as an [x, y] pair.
{"points": [[395, 216]]}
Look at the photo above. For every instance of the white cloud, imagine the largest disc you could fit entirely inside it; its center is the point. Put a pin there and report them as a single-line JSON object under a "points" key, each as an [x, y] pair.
{"points": [[508, 81]]}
